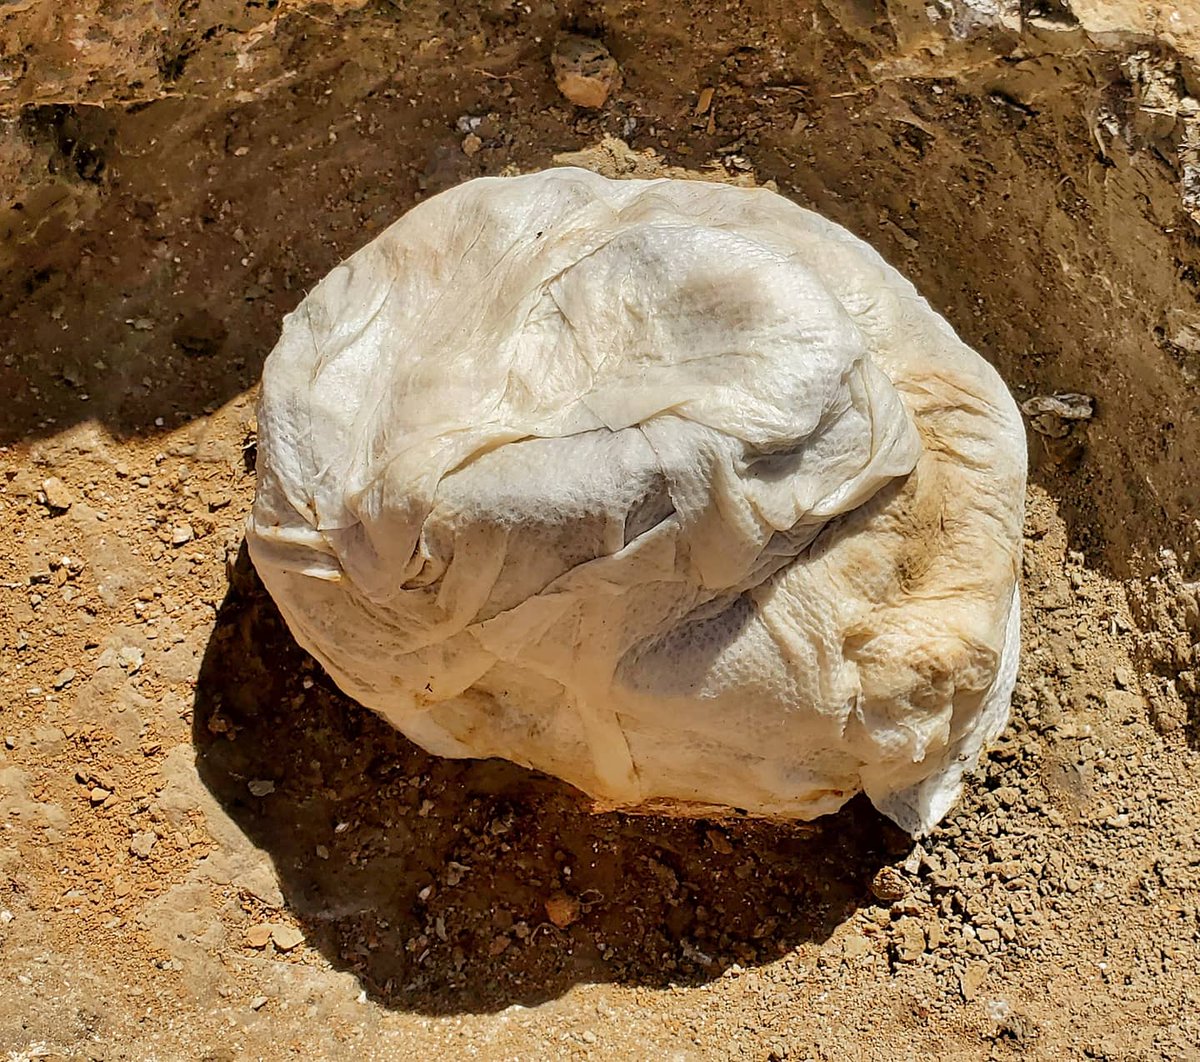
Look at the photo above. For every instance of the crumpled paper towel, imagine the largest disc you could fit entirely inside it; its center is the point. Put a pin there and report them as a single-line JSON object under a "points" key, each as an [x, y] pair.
{"points": [[671, 489]]}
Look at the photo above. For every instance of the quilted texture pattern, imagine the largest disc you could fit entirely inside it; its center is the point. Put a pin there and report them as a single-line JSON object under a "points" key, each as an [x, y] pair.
{"points": [[671, 489]]}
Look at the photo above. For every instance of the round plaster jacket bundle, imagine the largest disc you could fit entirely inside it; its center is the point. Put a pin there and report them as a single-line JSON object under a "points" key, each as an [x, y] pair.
{"points": [[671, 489]]}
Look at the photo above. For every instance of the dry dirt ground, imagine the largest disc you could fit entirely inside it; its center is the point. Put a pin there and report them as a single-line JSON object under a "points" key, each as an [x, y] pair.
{"points": [[207, 853]]}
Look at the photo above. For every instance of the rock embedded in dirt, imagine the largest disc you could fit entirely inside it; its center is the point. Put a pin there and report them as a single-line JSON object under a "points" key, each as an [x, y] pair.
{"points": [[584, 71], [888, 885], [1054, 415], [562, 910], [131, 658], [58, 497], [258, 936], [286, 937], [720, 843], [972, 979], [910, 940]]}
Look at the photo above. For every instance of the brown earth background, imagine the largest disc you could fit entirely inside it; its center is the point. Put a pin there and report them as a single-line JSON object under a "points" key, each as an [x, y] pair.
{"points": [[206, 852]]}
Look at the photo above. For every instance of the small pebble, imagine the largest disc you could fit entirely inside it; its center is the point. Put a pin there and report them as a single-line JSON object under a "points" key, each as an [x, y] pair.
{"points": [[286, 937], [910, 940], [562, 910], [888, 885], [142, 844], [57, 495], [584, 71], [972, 979], [719, 842]]}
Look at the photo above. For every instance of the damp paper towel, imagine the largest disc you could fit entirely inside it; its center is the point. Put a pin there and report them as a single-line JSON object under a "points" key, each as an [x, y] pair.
{"points": [[671, 489]]}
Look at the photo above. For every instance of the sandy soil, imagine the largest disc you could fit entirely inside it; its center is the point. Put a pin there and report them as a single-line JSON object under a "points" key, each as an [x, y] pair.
{"points": [[207, 853]]}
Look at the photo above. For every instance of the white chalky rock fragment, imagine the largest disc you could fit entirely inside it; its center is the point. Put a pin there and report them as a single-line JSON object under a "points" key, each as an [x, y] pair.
{"points": [[672, 489]]}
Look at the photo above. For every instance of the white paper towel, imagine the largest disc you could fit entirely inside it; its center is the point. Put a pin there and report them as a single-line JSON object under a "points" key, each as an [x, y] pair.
{"points": [[672, 489]]}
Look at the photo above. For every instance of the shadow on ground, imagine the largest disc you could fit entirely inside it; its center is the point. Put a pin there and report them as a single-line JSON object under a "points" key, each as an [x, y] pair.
{"points": [[428, 878]]}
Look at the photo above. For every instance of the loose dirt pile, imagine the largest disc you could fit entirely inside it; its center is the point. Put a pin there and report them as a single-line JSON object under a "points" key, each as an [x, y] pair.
{"points": [[207, 852]]}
